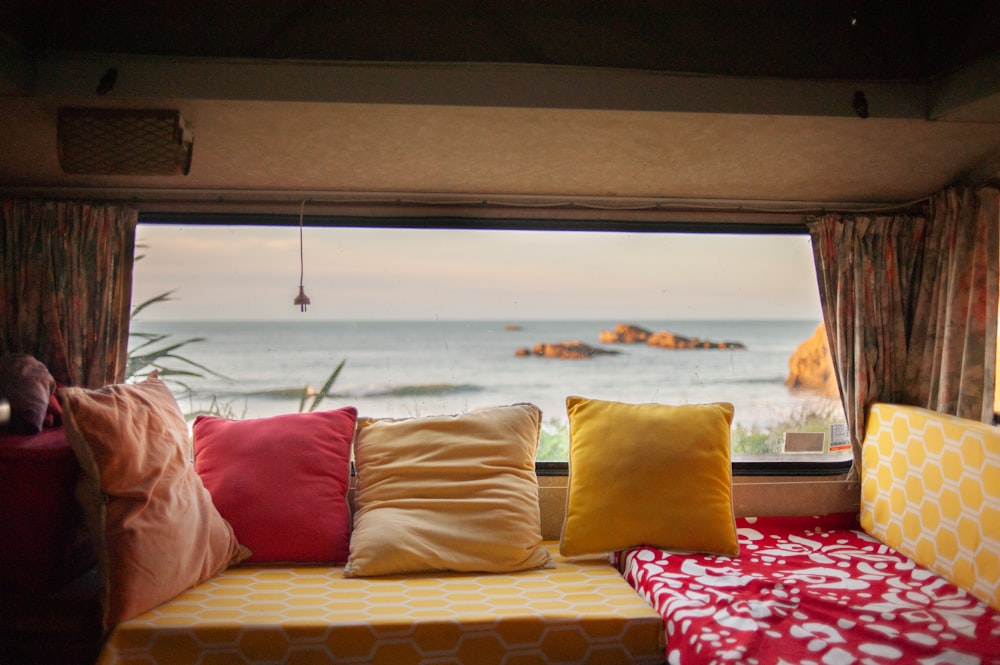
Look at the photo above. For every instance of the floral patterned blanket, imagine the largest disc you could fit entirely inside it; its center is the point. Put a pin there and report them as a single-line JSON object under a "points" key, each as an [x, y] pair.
{"points": [[810, 590]]}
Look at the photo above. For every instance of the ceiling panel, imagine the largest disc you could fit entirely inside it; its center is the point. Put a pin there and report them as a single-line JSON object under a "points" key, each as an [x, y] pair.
{"points": [[726, 105]]}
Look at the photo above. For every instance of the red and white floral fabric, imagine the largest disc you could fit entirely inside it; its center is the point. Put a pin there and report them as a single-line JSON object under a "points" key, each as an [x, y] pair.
{"points": [[810, 590]]}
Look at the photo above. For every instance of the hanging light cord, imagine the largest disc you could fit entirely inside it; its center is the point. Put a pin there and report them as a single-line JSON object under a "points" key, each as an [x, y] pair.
{"points": [[302, 299], [302, 265]]}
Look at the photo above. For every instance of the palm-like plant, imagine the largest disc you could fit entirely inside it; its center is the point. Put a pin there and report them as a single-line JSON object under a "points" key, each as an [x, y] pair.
{"points": [[318, 397], [155, 352]]}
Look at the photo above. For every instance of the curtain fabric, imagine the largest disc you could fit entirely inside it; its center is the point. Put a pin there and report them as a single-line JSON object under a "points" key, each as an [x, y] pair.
{"points": [[865, 267], [910, 306], [952, 346], [66, 287]]}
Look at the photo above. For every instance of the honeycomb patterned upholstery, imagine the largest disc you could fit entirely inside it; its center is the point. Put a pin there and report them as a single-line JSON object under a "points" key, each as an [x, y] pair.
{"points": [[581, 611], [930, 488]]}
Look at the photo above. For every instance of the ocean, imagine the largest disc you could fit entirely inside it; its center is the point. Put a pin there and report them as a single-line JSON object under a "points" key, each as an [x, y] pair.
{"points": [[420, 368]]}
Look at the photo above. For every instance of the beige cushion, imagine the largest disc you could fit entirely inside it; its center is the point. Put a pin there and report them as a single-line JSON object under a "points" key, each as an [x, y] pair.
{"points": [[448, 493], [155, 529], [648, 474]]}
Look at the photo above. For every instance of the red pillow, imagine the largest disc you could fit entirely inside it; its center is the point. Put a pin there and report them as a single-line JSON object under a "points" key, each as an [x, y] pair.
{"points": [[281, 482]]}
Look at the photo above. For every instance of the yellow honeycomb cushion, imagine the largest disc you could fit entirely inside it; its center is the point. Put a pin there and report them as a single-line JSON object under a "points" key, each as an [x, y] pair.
{"points": [[581, 611], [930, 488]]}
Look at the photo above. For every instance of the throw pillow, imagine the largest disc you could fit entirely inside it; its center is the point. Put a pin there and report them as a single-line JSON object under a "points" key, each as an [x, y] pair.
{"points": [[281, 482], [448, 493], [648, 474], [154, 527], [26, 384]]}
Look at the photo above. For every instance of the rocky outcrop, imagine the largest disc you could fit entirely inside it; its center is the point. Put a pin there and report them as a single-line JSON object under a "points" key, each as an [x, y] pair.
{"points": [[624, 333], [669, 340], [628, 334], [568, 350], [811, 366]]}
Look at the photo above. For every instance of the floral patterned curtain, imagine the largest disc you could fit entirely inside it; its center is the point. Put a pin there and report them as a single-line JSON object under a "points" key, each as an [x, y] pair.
{"points": [[952, 346], [66, 287], [910, 304]]}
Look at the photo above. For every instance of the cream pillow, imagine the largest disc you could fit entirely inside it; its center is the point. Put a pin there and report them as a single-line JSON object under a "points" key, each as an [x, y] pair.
{"points": [[648, 474], [448, 493]]}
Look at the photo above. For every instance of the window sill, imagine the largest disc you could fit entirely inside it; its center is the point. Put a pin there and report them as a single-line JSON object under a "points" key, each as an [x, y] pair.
{"points": [[778, 464]]}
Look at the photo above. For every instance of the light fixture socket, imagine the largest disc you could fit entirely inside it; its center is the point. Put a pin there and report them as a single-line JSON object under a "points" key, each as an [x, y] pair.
{"points": [[105, 141], [302, 299]]}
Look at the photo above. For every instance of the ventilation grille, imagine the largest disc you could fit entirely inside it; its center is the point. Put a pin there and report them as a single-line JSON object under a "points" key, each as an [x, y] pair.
{"points": [[124, 142]]}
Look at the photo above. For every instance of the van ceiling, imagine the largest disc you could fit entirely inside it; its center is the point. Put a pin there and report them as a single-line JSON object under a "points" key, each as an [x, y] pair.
{"points": [[560, 108]]}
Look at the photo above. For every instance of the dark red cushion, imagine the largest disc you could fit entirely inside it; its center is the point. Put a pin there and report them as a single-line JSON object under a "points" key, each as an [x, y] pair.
{"points": [[281, 482], [44, 540], [26, 383]]}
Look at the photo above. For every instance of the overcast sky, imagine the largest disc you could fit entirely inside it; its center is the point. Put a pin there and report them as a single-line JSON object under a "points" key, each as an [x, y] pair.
{"points": [[252, 273]]}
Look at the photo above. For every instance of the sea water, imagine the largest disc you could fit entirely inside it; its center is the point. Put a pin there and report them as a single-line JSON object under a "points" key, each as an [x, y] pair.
{"points": [[420, 368]]}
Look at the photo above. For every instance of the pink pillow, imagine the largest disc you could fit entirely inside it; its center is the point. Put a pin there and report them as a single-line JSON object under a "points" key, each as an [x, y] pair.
{"points": [[155, 530], [281, 482]]}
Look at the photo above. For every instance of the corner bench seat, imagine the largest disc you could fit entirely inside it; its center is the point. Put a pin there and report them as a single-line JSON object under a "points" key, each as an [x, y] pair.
{"points": [[580, 611]]}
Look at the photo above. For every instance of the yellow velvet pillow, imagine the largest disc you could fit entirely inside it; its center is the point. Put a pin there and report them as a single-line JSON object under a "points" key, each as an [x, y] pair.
{"points": [[154, 526], [648, 474], [448, 493]]}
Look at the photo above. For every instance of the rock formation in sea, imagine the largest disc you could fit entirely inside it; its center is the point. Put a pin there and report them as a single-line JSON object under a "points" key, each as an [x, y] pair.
{"points": [[625, 333], [811, 366], [568, 350], [669, 340]]}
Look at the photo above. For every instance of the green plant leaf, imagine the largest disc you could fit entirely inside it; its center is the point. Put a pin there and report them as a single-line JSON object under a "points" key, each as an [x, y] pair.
{"points": [[321, 395], [163, 297]]}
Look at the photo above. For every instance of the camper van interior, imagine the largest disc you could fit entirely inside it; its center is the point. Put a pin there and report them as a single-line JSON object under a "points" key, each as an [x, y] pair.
{"points": [[869, 131]]}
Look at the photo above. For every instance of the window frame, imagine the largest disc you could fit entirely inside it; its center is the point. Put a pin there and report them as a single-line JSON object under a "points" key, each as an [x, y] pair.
{"points": [[783, 464]]}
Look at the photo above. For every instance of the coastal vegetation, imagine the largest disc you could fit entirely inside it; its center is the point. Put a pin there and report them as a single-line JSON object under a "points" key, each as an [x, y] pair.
{"points": [[151, 351], [812, 417], [553, 443], [322, 393], [158, 352]]}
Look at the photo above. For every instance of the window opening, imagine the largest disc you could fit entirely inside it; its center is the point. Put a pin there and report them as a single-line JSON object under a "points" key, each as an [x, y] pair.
{"points": [[432, 321]]}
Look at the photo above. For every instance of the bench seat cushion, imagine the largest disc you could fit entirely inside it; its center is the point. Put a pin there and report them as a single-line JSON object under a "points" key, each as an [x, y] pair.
{"points": [[580, 611], [43, 537], [930, 488], [810, 590]]}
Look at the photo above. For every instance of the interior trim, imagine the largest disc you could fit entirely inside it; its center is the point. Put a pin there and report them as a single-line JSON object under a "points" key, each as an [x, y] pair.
{"points": [[677, 223], [421, 210], [466, 84]]}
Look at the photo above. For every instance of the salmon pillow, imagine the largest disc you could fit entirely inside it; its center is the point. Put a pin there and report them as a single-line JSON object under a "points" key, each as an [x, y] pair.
{"points": [[154, 527], [281, 482]]}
